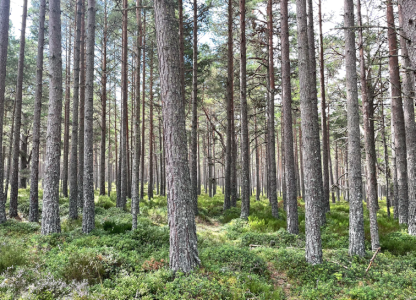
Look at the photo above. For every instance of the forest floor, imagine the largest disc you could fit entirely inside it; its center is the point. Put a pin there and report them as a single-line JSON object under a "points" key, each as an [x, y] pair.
{"points": [[115, 263]]}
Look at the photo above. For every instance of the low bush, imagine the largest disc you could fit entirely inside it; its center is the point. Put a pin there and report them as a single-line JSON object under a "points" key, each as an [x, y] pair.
{"points": [[11, 255], [229, 258], [105, 202]]}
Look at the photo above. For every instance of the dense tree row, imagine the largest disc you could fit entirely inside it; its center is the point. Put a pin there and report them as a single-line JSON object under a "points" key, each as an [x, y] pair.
{"points": [[136, 100]]}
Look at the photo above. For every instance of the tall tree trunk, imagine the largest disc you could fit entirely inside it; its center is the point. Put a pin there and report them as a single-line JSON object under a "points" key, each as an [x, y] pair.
{"points": [[314, 111], [66, 121], [14, 182], [183, 240], [370, 150], [50, 211], [194, 138], [386, 159], [73, 184], [270, 119], [292, 205], [356, 231], [103, 105], [88, 217], [230, 113], [150, 183], [257, 159], [181, 49], [80, 179], [398, 118], [135, 197], [310, 141], [409, 121], [34, 177], [124, 120], [325, 141], [4, 41], [143, 108], [245, 146]]}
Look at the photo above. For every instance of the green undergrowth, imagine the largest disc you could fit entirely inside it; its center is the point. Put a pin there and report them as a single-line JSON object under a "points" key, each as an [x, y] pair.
{"points": [[240, 259]]}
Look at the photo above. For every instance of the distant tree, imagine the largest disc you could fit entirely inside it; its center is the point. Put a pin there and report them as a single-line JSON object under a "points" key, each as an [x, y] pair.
{"points": [[14, 182], [34, 178]]}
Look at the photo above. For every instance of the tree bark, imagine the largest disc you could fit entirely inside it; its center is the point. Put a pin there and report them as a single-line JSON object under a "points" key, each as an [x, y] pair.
{"points": [[291, 205], [356, 227], [103, 105], [325, 141], [270, 119], [144, 109], [4, 42], [14, 182], [135, 197], [370, 150], [80, 176], [66, 121], [408, 8], [73, 171], [245, 146], [410, 127], [50, 211], [183, 240], [194, 138], [150, 183], [310, 142], [88, 217], [398, 118], [314, 97], [230, 112], [34, 178]]}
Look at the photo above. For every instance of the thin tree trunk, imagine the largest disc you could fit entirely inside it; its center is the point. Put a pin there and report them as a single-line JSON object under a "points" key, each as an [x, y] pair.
{"points": [[88, 217], [4, 41], [34, 178], [124, 120], [356, 226], [370, 149], [386, 159], [150, 183], [325, 141], [398, 118], [287, 140], [245, 146], [229, 99], [103, 105], [18, 118], [310, 131], [270, 119], [50, 211], [183, 239], [257, 159], [143, 108], [314, 111], [80, 179], [194, 138], [66, 121], [135, 196]]}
